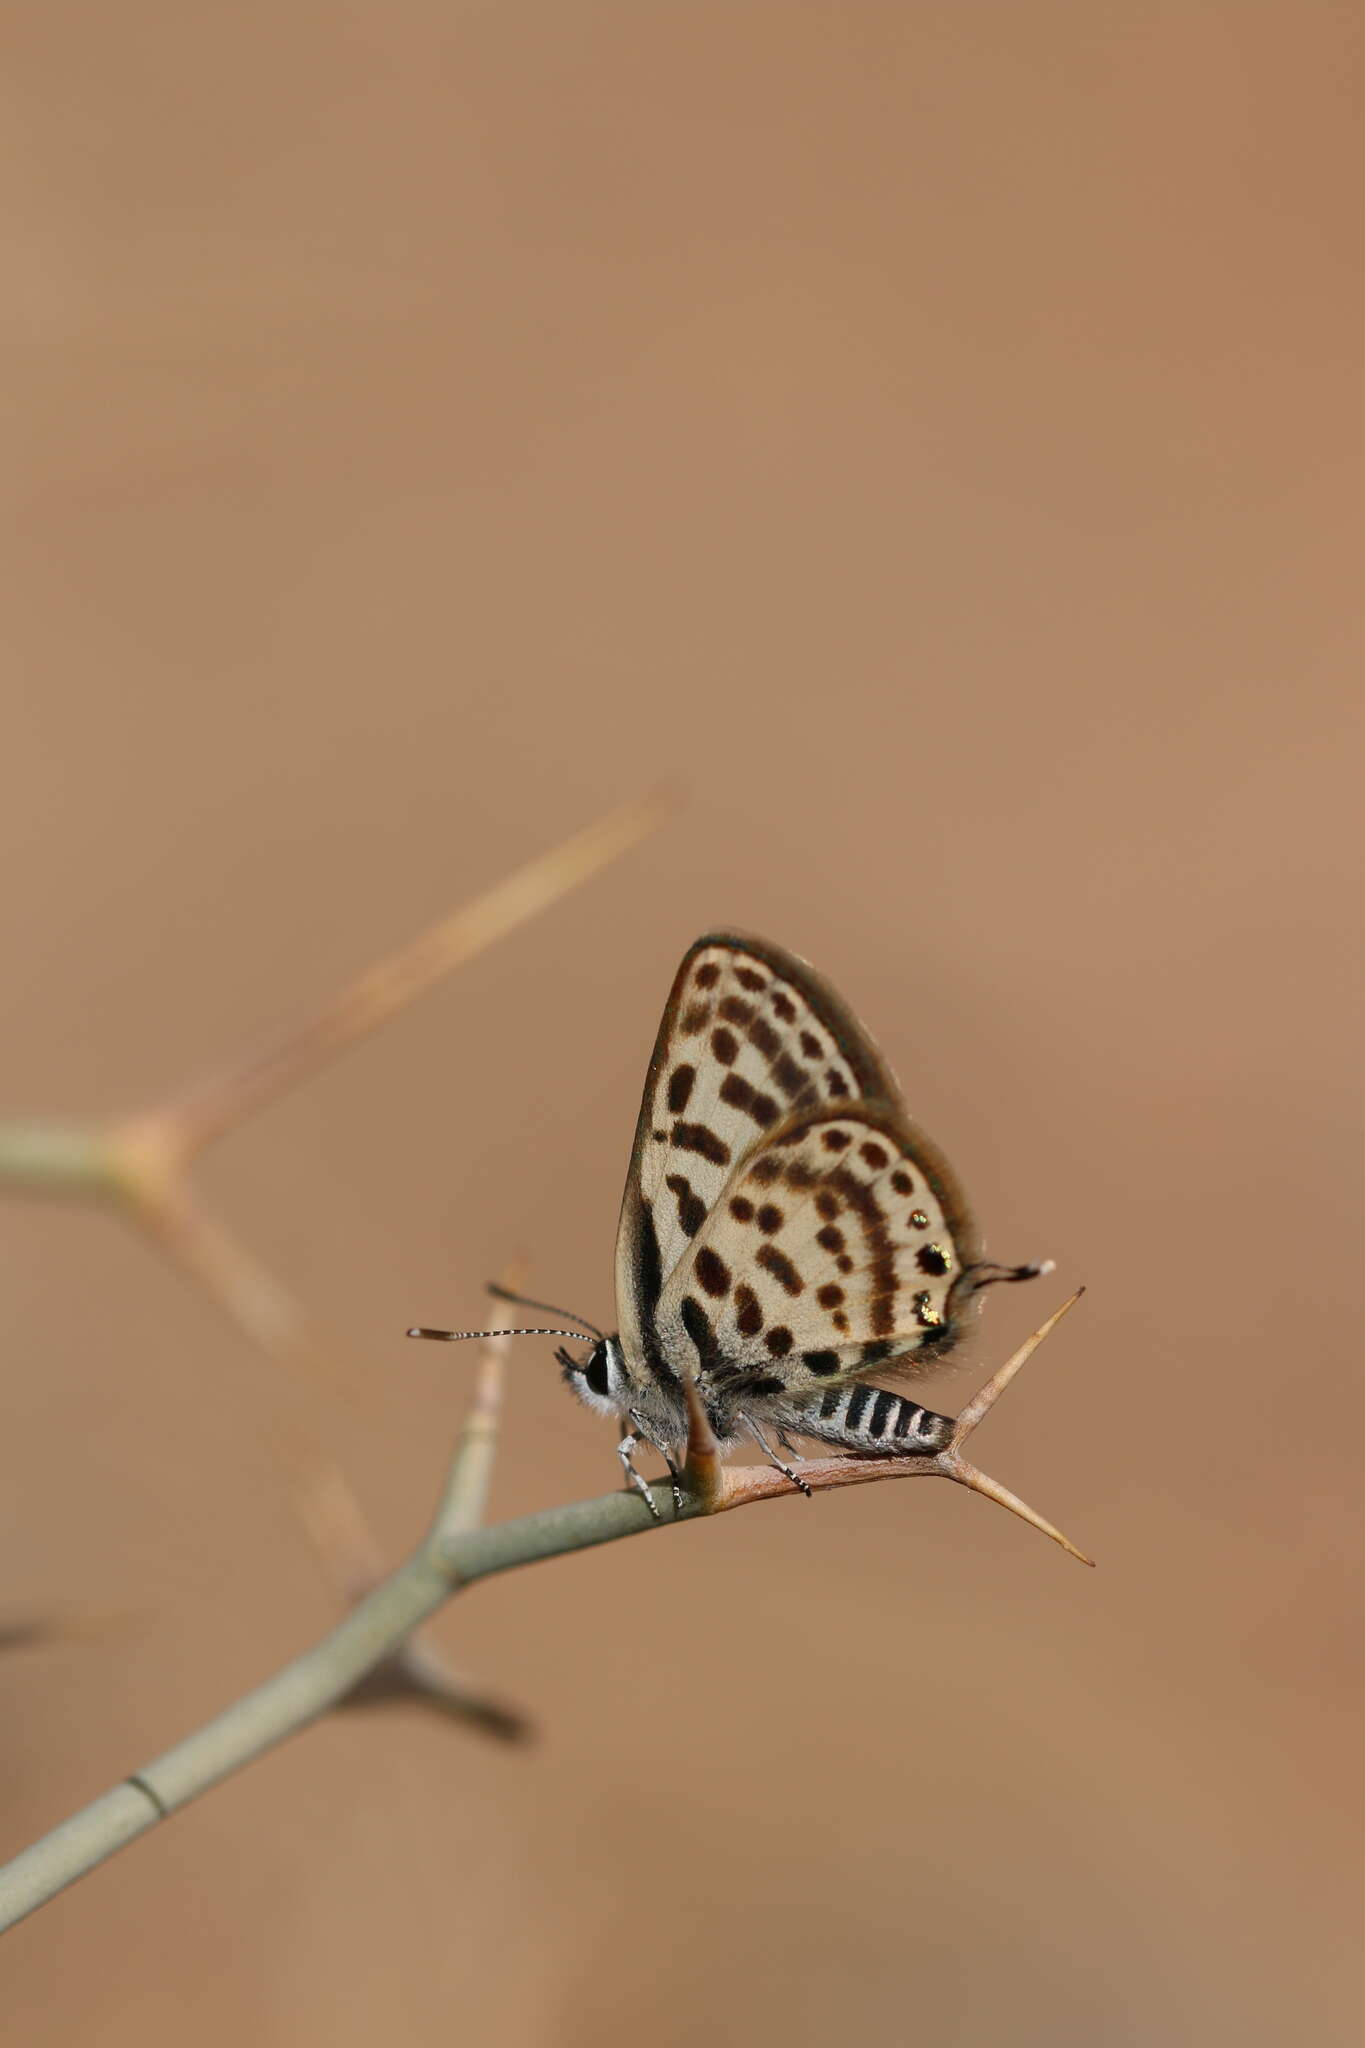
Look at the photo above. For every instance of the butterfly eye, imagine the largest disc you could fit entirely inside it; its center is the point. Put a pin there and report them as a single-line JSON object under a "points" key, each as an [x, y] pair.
{"points": [[597, 1372]]}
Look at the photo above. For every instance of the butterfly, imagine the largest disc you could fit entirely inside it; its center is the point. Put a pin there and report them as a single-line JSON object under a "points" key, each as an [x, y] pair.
{"points": [[788, 1238]]}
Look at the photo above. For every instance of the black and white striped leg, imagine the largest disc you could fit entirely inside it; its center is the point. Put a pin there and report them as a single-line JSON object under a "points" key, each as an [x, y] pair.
{"points": [[771, 1455], [675, 1481], [629, 1443], [642, 1435]]}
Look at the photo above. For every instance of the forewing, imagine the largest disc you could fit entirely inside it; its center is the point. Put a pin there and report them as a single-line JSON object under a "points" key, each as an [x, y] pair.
{"points": [[842, 1245], [750, 1035]]}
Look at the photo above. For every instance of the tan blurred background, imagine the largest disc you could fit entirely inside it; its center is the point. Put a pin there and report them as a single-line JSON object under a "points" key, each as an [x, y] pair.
{"points": [[932, 437]]}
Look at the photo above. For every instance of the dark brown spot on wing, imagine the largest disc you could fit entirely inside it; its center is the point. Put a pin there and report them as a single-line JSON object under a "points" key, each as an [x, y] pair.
{"points": [[742, 1209], [799, 1175], [789, 1076], [881, 1259], [835, 1081], [875, 1155], [649, 1270], [740, 1094], [901, 1182], [708, 974], [749, 1316], [697, 1324], [765, 1037], [784, 1006], [735, 1010], [691, 1208], [700, 1138], [822, 1363], [765, 1170], [779, 1340], [694, 1017], [680, 1088], [831, 1238], [931, 1258], [712, 1272], [780, 1266], [770, 1218], [828, 1204], [767, 1383], [830, 1295], [918, 1220], [835, 1141], [810, 1044], [746, 978], [724, 1045]]}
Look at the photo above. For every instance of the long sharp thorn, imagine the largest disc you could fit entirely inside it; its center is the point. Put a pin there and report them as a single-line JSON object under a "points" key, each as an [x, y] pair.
{"points": [[701, 1474], [981, 1482], [981, 1403]]}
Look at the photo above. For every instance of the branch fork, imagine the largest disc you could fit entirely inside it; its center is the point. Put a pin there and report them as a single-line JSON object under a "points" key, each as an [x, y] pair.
{"points": [[711, 1488]]}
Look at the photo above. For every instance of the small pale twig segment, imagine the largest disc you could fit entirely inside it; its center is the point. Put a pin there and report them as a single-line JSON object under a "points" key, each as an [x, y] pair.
{"points": [[471, 1469], [204, 1112], [417, 1670], [452, 1557]]}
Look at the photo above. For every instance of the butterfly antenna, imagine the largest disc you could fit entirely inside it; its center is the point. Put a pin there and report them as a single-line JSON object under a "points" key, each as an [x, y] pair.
{"points": [[455, 1336], [525, 1301]]}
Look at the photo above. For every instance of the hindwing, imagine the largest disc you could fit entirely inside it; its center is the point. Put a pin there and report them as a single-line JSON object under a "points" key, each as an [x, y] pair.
{"points": [[839, 1246]]}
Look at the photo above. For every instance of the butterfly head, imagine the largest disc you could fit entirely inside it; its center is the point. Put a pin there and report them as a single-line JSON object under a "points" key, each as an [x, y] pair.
{"points": [[599, 1380]]}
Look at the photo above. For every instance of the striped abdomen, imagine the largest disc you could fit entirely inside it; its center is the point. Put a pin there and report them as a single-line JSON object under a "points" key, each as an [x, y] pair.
{"points": [[863, 1418]]}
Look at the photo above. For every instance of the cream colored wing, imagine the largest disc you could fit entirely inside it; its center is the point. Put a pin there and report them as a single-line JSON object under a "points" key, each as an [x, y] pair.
{"points": [[839, 1246], [750, 1035]]}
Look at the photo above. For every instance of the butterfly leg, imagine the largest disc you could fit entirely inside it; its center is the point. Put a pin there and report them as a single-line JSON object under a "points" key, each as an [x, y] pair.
{"points": [[771, 1455], [630, 1442], [641, 1434], [675, 1481]]}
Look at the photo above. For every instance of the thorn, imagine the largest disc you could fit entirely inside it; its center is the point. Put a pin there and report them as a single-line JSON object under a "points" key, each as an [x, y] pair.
{"points": [[702, 1473], [954, 1466], [981, 1482], [981, 1403]]}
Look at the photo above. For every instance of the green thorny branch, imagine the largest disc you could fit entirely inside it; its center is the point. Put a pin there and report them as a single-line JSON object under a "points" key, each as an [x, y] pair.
{"points": [[139, 1163], [454, 1554]]}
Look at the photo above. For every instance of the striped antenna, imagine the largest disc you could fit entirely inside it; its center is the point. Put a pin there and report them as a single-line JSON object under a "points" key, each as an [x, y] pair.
{"points": [[525, 1301], [585, 1328], [455, 1336]]}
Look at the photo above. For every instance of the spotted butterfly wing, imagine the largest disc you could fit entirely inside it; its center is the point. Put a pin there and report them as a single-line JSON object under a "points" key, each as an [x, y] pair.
{"points": [[785, 1225]]}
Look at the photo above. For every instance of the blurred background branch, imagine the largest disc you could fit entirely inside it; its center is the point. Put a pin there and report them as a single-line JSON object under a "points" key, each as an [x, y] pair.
{"points": [[139, 1163]]}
